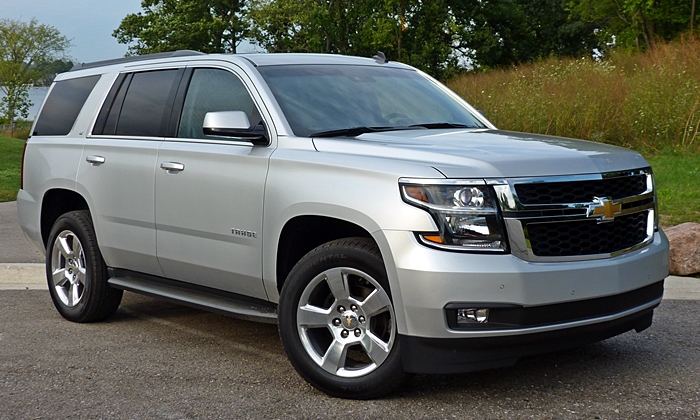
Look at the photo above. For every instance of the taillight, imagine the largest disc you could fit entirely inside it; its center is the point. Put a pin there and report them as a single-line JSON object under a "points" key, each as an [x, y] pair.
{"points": [[21, 170]]}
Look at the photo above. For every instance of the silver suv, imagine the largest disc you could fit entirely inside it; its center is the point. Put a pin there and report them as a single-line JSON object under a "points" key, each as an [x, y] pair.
{"points": [[384, 224]]}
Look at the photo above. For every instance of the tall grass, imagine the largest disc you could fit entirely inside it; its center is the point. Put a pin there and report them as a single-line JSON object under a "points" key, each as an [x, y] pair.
{"points": [[647, 101]]}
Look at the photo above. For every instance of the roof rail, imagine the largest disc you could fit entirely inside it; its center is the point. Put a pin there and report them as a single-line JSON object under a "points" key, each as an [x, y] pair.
{"points": [[178, 53]]}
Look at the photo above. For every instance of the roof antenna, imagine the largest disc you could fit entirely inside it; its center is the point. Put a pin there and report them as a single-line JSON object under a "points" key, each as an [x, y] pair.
{"points": [[380, 58]]}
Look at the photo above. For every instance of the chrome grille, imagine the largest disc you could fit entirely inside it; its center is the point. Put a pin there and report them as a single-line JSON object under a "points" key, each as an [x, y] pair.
{"points": [[578, 217], [587, 237], [580, 191]]}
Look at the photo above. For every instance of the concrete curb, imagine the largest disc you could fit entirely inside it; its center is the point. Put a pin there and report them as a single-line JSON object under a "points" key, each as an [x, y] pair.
{"points": [[33, 277], [682, 288], [18, 276]]}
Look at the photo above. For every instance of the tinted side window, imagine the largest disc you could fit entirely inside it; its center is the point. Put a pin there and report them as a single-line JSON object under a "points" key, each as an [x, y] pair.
{"points": [[145, 104], [213, 90], [63, 106]]}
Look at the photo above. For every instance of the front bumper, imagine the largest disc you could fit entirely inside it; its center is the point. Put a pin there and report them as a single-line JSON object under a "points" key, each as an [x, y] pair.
{"points": [[425, 281], [542, 306], [444, 355]]}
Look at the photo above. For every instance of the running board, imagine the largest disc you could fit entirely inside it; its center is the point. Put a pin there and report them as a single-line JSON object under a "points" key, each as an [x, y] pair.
{"points": [[197, 299]]}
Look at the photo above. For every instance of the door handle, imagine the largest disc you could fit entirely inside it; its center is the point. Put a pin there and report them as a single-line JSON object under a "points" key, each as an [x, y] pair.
{"points": [[172, 167], [95, 160]]}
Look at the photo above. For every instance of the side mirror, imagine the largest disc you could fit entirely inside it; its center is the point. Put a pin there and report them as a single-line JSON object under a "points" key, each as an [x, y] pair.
{"points": [[234, 124]]}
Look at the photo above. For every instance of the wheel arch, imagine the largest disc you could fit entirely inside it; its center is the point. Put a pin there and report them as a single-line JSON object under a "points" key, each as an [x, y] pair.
{"points": [[301, 234], [56, 202]]}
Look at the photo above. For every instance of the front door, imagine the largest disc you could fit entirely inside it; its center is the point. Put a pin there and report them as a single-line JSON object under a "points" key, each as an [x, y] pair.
{"points": [[209, 193]]}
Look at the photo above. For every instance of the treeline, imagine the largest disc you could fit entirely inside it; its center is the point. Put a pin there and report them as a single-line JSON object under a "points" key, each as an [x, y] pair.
{"points": [[46, 72], [439, 36]]}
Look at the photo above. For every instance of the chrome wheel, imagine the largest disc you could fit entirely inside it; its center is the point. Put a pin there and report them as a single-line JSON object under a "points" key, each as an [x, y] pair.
{"points": [[337, 322], [68, 273], [345, 321], [76, 273]]}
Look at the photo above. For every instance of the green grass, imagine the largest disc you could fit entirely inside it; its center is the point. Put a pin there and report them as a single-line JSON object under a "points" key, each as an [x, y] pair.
{"points": [[677, 179], [10, 161]]}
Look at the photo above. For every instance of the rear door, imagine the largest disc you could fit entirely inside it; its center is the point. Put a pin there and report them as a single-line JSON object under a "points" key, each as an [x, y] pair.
{"points": [[118, 164], [209, 190]]}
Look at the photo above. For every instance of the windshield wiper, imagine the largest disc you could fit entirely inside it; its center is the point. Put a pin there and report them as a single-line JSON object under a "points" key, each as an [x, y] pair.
{"points": [[442, 125], [356, 131]]}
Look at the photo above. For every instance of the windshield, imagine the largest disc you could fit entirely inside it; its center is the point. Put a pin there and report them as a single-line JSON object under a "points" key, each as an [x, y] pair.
{"points": [[318, 99]]}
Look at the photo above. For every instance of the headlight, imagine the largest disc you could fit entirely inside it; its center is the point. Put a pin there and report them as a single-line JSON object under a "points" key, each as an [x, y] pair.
{"points": [[465, 212]]}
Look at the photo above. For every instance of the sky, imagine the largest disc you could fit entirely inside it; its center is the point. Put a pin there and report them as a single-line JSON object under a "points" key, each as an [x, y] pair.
{"points": [[87, 23]]}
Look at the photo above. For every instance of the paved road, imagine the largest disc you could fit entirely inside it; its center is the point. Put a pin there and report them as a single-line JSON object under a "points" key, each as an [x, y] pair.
{"points": [[156, 360], [14, 247]]}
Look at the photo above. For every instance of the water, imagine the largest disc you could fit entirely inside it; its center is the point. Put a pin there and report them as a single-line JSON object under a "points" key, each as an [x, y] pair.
{"points": [[36, 96]]}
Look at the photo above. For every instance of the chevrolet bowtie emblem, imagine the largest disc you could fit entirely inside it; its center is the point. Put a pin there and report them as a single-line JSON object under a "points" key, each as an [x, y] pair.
{"points": [[604, 209]]}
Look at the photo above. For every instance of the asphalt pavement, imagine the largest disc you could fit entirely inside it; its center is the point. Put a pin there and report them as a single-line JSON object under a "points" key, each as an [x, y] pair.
{"points": [[157, 360], [14, 247]]}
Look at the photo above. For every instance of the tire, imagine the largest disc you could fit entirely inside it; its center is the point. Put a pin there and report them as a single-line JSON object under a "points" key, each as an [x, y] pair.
{"points": [[337, 322], [76, 273]]}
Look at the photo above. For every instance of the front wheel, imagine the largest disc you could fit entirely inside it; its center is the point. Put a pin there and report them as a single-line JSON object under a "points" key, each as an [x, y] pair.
{"points": [[337, 321], [76, 273]]}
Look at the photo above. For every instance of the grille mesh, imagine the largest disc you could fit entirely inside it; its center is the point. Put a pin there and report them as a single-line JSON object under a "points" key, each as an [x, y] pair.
{"points": [[580, 191], [587, 237]]}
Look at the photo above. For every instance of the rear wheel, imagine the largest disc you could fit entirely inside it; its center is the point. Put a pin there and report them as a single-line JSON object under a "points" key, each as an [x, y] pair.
{"points": [[76, 273], [337, 321]]}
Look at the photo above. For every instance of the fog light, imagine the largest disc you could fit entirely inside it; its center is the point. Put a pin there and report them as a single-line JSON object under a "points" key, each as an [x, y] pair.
{"points": [[471, 315]]}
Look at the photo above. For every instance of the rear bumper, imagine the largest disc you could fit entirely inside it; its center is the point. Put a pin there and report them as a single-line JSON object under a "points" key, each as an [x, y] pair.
{"points": [[450, 355], [28, 214]]}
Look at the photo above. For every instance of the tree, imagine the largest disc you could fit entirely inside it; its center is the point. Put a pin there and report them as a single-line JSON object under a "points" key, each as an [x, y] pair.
{"points": [[26, 49], [317, 26], [210, 26], [635, 23], [428, 37], [510, 32], [15, 104], [48, 74], [433, 35], [412, 31]]}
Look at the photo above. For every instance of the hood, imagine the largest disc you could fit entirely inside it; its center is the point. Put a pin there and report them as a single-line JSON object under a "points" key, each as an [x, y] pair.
{"points": [[488, 153]]}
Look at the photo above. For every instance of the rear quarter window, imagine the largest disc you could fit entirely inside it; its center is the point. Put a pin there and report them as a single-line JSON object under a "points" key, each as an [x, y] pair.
{"points": [[63, 105], [139, 104]]}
